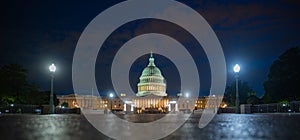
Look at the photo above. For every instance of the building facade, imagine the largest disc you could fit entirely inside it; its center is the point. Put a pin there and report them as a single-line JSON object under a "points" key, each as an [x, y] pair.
{"points": [[90, 102], [151, 97]]}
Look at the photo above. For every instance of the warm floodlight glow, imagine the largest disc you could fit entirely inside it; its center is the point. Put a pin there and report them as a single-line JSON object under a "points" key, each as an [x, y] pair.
{"points": [[111, 95], [236, 68], [52, 68]]}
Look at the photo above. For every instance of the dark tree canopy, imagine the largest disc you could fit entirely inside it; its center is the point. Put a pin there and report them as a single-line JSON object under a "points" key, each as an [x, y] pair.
{"points": [[252, 99], [65, 104], [245, 91], [284, 77], [13, 80], [14, 88]]}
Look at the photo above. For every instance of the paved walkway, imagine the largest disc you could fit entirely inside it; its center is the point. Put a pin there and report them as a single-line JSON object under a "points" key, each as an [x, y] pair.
{"points": [[223, 126]]}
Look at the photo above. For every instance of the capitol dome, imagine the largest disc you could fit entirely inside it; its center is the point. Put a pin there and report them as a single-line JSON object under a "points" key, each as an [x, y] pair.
{"points": [[151, 81]]}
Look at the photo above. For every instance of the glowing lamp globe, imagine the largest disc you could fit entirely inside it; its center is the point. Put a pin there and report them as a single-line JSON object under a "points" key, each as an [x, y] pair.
{"points": [[52, 68], [111, 95], [187, 95], [236, 68]]}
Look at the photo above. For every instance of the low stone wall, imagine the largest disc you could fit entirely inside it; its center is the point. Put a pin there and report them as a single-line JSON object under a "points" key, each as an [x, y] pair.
{"points": [[36, 109], [227, 110], [15, 108], [67, 110]]}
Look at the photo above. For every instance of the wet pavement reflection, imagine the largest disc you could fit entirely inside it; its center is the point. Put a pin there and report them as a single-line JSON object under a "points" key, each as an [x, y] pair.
{"points": [[223, 126]]}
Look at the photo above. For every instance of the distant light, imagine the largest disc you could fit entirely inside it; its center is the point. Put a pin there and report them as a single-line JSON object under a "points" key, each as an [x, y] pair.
{"points": [[123, 94], [11, 105], [128, 102], [52, 68], [236, 68], [38, 110], [172, 102], [111, 95]]}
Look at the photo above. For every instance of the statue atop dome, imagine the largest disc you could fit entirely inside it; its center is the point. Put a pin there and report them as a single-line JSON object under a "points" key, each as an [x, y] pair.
{"points": [[151, 81]]}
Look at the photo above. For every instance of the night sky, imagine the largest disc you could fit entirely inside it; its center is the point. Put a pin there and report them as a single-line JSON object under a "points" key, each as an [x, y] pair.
{"points": [[252, 34]]}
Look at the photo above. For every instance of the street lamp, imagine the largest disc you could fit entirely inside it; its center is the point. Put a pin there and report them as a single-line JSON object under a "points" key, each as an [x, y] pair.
{"points": [[187, 95], [111, 97], [236, 70], [52, 69]]}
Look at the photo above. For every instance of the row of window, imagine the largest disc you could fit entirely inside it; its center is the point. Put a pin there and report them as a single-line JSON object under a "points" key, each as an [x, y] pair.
{"points": [[156, 80], [151, 88]]}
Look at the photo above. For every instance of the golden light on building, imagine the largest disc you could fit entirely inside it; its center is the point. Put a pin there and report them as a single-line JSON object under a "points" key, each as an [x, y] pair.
{"points": [[123, 94], [223, 105]]}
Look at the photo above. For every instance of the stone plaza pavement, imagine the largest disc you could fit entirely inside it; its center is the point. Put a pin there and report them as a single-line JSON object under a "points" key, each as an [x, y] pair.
{"points": [[223, 126]]}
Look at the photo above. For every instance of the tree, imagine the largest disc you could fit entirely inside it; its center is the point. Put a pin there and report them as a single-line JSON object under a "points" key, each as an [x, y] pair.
{"points": [[267, 98], [44, 97], [6, 100], [65, 104], [32, 95], [245, 91], [252, 99], [12, 81], [14, 88], [284, 77]]}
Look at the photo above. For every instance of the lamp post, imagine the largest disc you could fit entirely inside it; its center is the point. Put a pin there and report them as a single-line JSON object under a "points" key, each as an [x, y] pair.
{"points": [[236, 70], [111, 97], [187, 95], [52, 69]]}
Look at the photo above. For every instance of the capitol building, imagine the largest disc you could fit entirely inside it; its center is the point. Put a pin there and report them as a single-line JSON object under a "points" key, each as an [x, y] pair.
{"points": [[151, 81], [150, 98]]}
